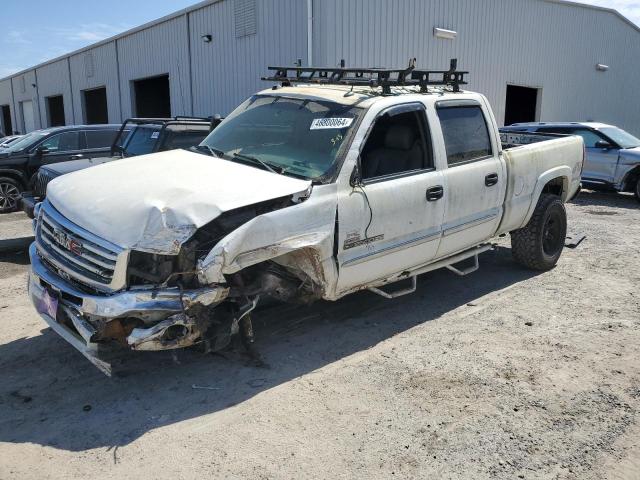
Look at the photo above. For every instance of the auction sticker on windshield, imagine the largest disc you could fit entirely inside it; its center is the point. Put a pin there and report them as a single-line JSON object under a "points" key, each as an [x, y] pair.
{"points": [[323, 123]]}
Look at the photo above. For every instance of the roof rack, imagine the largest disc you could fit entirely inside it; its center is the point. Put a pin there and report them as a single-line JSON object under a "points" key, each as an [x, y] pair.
{"points": [[370, 77]]}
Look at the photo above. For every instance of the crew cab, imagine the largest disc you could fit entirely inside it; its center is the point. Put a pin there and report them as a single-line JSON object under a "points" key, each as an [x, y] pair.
{"points": [[137, 136], [613, 155], [303, 192], [22, 158]]}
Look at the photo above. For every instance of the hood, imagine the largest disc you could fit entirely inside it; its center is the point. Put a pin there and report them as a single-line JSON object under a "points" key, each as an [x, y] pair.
{"points": [[156, 202], [73, 165]]}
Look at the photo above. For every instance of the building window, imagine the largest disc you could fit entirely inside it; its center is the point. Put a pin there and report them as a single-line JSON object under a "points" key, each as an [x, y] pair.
{"points": [[245, 17]]}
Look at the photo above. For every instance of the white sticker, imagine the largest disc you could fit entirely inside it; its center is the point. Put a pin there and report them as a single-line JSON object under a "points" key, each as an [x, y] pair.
{"points": [[323, 123], [155, 134]]}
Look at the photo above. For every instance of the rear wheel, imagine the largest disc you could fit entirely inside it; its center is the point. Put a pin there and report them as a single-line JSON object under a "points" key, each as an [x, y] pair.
{"points": [[539, 244], [10, 191], [637, 189]]}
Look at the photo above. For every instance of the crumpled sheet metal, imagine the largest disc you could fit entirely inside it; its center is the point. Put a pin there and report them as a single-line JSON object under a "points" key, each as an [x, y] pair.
{"points": [[154, 203], [309, 225]]}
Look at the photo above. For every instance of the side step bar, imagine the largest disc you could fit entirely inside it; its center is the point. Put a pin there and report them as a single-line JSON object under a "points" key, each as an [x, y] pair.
{"points": [[444, 263]]}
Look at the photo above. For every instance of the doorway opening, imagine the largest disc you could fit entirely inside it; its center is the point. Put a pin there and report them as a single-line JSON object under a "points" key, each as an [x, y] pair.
{"points": [[55, 111], [151, 97], [6, 126], [522, 105], [94, 103]]}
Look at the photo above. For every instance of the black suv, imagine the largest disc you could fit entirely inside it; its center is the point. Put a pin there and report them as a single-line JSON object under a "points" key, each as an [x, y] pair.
{"points": [[137, 136], [22, 159]]}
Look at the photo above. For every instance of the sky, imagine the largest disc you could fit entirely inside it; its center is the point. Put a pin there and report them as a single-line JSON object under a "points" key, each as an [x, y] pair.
{"points": [[51, 28]]}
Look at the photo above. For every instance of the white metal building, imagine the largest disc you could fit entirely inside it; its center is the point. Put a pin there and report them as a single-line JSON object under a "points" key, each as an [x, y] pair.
{"points": [[577, 62]]}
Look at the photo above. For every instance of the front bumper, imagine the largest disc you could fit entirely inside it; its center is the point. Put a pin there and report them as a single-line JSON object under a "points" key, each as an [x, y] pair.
{"points": [[28, 203], [155, 307]]}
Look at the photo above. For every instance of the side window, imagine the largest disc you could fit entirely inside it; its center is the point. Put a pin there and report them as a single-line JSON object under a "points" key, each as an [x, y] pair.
{"points": [[185, 139], [398, 143], [63, 142], [466, 136], [590, 138], [100, 138]]}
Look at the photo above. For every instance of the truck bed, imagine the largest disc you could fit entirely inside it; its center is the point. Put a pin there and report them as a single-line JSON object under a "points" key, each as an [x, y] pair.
{"points": [[532, 160]]}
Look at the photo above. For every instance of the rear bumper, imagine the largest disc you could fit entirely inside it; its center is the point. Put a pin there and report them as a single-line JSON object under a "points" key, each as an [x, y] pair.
{"points": [[157, 309]]}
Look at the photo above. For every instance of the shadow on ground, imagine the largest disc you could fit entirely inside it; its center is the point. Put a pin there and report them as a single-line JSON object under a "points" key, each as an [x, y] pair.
{"points": [[50, 395], [596, 198]]}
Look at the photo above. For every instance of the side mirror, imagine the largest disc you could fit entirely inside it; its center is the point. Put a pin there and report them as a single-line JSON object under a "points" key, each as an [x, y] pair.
{"points": [[354, 180], [42, 150], [604, 145]]}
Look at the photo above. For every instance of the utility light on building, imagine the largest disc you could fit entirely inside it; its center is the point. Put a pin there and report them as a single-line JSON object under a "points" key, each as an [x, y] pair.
{"points": [[601, 67], [444, 33], [206, 38]]}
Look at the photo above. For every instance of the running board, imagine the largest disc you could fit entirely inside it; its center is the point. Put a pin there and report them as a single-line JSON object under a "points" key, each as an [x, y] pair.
{"points": [[397, 293], [468, 270], [444, 263]]}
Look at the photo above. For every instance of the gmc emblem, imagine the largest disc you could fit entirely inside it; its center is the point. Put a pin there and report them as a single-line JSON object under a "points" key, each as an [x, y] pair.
{"points": [[67, 242]]}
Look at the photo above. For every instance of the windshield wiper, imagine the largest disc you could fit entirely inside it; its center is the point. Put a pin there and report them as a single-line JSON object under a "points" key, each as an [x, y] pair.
{"points": [[241, 156], [210, 150]]}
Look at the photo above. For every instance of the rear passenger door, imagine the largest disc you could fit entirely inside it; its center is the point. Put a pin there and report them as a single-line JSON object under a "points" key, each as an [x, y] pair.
{"points": [[475, 178], [98, 142]]}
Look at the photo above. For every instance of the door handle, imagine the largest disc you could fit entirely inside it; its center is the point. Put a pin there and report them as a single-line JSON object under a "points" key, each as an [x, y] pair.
{"points": [[435, 193], [75, 157], [491, 179]]}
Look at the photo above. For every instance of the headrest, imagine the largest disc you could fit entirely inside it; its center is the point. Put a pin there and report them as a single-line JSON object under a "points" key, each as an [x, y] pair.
{"points": [[399, 137]]}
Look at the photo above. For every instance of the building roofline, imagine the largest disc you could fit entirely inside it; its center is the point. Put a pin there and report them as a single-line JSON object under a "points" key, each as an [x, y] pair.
{"points": [[139, 28], [206, 3]]}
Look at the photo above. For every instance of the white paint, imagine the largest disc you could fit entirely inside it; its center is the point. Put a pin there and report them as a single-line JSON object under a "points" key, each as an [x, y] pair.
{"points": [[156, 202]]}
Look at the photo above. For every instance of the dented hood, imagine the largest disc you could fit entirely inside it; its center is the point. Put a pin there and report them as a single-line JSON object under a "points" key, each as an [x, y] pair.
{"points": [[156, 202]]}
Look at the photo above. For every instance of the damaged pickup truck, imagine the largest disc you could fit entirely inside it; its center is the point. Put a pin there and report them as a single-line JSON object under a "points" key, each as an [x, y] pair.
{"points": [[302, 193]]}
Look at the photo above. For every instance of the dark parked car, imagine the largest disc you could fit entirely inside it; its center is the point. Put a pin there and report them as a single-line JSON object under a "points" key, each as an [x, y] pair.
{"points": [[22, 159], [137, 136]]}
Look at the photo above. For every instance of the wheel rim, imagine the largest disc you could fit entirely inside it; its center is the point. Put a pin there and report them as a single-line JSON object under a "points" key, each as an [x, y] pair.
{"points": [[9, 194], [552, 237]]}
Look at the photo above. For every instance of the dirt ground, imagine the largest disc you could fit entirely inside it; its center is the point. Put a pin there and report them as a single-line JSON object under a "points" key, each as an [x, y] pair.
{"points": [[502, 374]]}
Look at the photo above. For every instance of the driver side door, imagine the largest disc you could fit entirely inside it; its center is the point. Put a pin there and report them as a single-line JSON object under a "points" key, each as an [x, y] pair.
{"points": [[391, 219]]}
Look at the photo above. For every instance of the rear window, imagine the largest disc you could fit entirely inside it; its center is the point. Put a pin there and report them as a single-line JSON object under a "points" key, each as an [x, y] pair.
{"points": [[100, 138], [465, 132]]}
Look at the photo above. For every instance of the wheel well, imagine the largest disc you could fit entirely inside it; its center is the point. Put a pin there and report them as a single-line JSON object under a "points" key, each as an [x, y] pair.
{"points": [[15, 177], [555, 186], [631, 179]]}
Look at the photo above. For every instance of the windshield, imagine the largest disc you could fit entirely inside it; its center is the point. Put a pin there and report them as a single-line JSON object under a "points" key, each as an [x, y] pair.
{"points": [[25, 142], [622, 138], [299, 137], [141, 141]]}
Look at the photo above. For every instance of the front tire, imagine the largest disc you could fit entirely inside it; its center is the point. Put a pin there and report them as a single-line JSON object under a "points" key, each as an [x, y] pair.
{"points": [[637, 189], [539, 244], [10, 191]]}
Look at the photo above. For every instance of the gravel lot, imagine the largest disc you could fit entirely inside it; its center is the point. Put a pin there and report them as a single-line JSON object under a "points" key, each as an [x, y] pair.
{"points": [[501, 374]]}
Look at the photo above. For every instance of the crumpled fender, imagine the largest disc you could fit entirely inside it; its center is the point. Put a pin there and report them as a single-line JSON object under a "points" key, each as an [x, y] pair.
{"points": [[307, 228]]}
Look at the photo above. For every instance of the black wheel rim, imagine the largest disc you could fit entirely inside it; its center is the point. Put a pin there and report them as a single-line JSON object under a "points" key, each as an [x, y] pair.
{"points": [[552, 236], [9, 194]]}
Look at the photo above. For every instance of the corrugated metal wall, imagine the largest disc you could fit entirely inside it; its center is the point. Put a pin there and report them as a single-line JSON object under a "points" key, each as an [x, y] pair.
{"points": [[24, 90], [524, 42], [228, 69], [95, 68], [53, 79], [156, 51], [544, 44]]}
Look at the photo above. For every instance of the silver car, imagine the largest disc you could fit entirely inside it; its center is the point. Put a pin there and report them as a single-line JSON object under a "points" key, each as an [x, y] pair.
{"points": [[613, 155]]}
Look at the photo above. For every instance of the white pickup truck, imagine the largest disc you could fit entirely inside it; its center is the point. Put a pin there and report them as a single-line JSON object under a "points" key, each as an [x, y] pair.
{"points": [[302, 193]]}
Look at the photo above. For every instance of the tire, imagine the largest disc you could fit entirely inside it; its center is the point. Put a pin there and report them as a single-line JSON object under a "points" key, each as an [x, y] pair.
{"points": [[539, 244], [10, 191], [637, 189]]}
